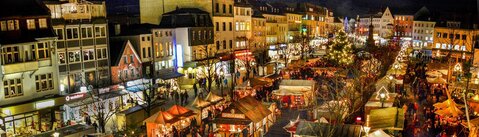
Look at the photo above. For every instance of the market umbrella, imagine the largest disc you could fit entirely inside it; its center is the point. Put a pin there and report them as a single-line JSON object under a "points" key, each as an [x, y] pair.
{"points": [[450, 111]]}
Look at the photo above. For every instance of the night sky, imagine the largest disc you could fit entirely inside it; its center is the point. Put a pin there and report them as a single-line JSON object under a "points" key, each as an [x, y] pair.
{"points": [[352, 8]]}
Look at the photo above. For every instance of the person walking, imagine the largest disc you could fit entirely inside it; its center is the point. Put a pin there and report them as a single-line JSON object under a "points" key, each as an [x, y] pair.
{"points": [[195, 89]]}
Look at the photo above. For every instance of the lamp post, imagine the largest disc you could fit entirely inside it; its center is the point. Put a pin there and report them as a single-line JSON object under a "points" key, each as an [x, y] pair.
{"points": [[382, 96]]}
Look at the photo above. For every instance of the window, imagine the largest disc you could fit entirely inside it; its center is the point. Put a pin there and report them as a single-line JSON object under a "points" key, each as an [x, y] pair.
{"points": [[193, 35], [217, 45], [458, 36], [72, 33], [88, 55], [237, 26], [199, 34], [142, 38], [74, 56], [224, 8], [100, 31], [125, 60], [3, 25], [224, 26], [10, 55], [464, 37], [231, 26], [217, 7], [149, 51], [231, 9], [59, 33], [101, 53], [12, 87], [438, 35], [30, 24], [217, 26], [161, 34], [61, 58], [144, 52], [444, 35], [224, 44], [156, 33], [43, 50], [42, 23], [147, 38], [131, 59], [231, 44], [44, 82], [86, 32]]}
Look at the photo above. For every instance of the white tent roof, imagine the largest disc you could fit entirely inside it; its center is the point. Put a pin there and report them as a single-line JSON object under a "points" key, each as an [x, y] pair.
{"points": [[379, 133]]}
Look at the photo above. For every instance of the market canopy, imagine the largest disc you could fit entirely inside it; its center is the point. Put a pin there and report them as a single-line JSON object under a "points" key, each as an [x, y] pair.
{"points": [[161, 118], [211, 97], [379, 133], [387, 118], [169, 74], [252, 108], [179, 111]]}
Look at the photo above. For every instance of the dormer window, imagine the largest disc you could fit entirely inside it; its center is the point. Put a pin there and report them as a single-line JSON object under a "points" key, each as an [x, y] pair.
{"points": [[42, 23], [31, 24]]}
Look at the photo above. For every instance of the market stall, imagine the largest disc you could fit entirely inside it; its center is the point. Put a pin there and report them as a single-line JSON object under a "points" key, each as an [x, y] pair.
{"points": [[245, 117], [296, 93], [201, 108], [160, 124]]}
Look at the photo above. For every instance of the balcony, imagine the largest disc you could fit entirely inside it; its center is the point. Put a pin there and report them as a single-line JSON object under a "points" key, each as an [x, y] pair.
{"points": [[76, 16], [19, 67]]}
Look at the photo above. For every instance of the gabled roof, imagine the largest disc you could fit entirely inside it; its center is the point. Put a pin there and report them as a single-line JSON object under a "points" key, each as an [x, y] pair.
{"points": [[117, 48], [161, 118], [22, 8], [252, 108], [257, 13], [423, 14], [186, 17]]}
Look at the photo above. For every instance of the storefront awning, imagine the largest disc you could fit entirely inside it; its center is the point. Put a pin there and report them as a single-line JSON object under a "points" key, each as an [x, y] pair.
{"points": [[137, 88], [169, 74]]}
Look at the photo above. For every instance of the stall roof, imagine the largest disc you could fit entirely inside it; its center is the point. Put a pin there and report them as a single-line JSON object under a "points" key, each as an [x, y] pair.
{"points": [[179, 111], [211, 97], [252, 108], [298, 82], [199, 103], [387, 118], [285, 92], [306, 128], [169, 74], [161, 118]]}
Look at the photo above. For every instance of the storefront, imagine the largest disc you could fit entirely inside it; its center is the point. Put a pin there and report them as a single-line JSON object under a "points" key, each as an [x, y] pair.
{"points": [[32, 117], [296, 93]]}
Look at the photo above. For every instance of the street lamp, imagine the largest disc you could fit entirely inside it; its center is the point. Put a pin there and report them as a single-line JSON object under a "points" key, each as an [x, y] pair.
{"points": [[382, 96]]}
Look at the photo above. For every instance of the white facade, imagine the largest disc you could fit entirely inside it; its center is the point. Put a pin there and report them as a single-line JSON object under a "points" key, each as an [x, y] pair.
{"points": [[387, 24], [383, 24], [242, 24], [422, 34]]}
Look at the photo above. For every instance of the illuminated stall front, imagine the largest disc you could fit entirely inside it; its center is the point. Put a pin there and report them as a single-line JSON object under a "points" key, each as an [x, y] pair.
{"points": [[162, 123], [200, 107], [245, 117]]}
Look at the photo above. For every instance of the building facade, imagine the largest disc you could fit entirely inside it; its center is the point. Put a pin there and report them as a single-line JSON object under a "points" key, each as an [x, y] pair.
{"points": [[29, 87], [242, 24], [314, 19], [125, 62], [403, 26], [457, 41], [383, 23], [258, 31], [82, 43], [423, 29]]}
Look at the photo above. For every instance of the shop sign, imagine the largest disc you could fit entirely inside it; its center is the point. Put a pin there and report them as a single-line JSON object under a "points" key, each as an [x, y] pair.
{"points": [[233, 115], [73, 97], [44, 104]]}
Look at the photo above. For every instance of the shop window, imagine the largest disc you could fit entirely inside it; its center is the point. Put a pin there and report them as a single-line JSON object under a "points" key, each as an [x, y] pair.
{"points": [[12, 87], [101, 53], [88, 55], [44, 82], [61, 57], [43, 51], [74, 56]]}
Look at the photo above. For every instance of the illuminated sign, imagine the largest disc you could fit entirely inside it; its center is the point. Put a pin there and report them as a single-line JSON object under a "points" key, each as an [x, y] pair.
{"points": [[179, 56], [73, 97], [44, 104]]}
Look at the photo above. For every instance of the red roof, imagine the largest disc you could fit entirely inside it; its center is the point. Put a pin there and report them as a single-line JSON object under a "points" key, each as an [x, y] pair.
{"points": [[179, 111]]}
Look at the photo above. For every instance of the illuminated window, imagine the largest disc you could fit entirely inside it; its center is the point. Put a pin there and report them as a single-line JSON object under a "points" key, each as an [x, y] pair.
{"points": [[74, 56], [61, 58], [42, 23], [101, 53], [88, 55], [100, 31], [43, 50], [30, 24], [3, 25]]}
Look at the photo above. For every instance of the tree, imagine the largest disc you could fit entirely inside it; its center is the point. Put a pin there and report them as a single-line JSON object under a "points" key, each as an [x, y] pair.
{"points": [[101, 108], [208, 60], [340, 50]]}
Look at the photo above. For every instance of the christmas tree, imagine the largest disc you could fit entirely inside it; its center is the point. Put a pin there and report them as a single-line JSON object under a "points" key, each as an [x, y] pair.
{"points": [[340, 50]]}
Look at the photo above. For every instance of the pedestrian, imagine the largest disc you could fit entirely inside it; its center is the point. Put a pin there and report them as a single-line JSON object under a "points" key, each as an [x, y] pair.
{"points": [[186, 97], [195, 89], [95, 126]]}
